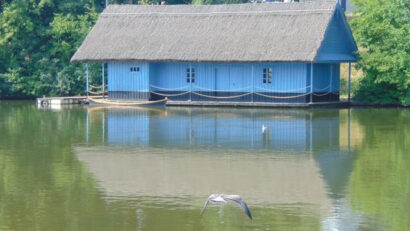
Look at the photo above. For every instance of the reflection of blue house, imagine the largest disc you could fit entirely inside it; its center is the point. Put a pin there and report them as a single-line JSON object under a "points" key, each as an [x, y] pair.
{"points": [[128, 127], [287, 131], [272, 52], [207, 128], [335, 169]]}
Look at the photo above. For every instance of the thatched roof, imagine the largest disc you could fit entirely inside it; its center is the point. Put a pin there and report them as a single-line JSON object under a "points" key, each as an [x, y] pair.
{"points": [[221, 33]]}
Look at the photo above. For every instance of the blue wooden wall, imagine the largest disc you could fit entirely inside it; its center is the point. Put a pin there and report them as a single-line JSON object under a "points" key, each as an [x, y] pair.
{"points": [[292, 78], [326, 77], [121, 78], [235, 77]]}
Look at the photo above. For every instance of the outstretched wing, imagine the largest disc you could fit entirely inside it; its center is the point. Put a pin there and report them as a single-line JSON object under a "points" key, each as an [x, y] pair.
{"points": [[238, 199], [206, 203]]}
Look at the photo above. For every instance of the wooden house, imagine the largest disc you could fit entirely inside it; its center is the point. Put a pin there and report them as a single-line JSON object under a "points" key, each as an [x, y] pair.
{"points": [[266, 52]]}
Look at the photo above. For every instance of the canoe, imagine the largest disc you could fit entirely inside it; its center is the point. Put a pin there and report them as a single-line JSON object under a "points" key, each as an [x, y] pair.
{"points": [[160, 102]]}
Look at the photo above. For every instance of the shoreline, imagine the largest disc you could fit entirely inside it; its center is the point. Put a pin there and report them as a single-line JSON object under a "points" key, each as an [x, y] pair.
{"points": [[352, 104]]}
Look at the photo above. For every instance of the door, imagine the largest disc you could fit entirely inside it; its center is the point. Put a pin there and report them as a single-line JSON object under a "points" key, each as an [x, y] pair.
{"points": [[136, 83], [222, 77], [236, 78]]}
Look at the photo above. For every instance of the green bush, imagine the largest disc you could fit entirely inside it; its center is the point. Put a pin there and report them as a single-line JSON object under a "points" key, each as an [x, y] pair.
{"points": [[382, 29], [37, 40]]}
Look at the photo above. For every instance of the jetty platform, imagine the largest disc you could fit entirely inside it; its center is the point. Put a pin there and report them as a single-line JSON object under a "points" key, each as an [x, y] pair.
{"points": [[341, 104], [62, 100], [71, 100]]}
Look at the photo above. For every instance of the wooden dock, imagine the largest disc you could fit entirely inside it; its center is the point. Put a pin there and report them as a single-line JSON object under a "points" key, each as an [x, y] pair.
{"points": [[258, 104], [58, 101], [46, 101]]}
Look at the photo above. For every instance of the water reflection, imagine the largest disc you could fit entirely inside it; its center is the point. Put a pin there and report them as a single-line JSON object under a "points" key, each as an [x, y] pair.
{"points": [[74, 169], [285, 130], [302, 159]]}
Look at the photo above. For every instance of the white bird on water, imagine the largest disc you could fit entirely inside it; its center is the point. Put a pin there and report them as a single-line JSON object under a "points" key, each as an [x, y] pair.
{"points": [[223, 199], [264, 128]]}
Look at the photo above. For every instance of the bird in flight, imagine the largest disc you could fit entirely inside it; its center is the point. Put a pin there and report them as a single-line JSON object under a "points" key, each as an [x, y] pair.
{"points": [[223, 199]]}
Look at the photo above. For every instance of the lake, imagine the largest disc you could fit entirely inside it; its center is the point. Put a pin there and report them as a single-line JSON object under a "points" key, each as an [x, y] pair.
{"points": [[96, 168]]}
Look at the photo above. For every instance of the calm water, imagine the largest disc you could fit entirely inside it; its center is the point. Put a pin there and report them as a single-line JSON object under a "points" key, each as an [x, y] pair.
{"points": [[152, 169]]}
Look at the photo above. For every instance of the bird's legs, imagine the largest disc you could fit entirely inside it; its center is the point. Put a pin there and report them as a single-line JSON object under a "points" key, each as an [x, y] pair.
{"points": [[221, 213]]}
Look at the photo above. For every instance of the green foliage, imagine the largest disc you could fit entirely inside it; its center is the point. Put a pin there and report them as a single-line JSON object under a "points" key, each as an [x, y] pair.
{"points": [[382, 29], [344, 88], [37, 40]]}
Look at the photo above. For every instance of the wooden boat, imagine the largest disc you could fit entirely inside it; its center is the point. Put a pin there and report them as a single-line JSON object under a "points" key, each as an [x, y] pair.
{"points": [[154, 103]]}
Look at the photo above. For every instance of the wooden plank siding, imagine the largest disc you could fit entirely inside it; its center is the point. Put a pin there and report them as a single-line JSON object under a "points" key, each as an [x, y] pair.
{"points": [[220, 80], [126, 84], [234, 78]]}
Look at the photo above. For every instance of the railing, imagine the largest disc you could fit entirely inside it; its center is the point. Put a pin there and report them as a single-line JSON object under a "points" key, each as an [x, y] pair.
{"points": [[241, 92]]}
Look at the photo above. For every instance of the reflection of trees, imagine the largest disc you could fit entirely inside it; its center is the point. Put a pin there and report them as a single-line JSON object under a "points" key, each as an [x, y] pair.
{"points": [[380, 182], [42, 185]]}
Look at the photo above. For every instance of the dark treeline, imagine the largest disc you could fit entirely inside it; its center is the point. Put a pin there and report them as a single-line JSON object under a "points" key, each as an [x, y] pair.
{"points": [[38, 38]]}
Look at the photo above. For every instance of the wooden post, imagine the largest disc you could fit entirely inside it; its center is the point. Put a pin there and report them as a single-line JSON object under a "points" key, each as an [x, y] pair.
{"points": [[348, 129], [190, 82], [310, 133], [87, 124], [103, 127], [311, 82], [86, 78], [331, 79], [253, 84], [102, 80], [331, 82], [349, 83]]}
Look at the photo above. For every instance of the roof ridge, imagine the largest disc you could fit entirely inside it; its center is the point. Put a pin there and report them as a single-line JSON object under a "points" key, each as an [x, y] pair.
{"points": [[225, 4], [220, 13]]}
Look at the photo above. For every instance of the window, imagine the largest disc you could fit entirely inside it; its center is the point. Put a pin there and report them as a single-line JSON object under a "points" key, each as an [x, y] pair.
{"points": [[193, 75], [190, 75], [134, 69], [267, 75]]}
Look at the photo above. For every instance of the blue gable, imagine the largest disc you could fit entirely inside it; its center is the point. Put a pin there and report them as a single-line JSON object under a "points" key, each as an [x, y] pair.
{"points": [[338, 44]]}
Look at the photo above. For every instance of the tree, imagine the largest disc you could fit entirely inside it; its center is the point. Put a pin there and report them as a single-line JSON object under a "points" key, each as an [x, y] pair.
{"points": [[37, 39], [382, 30]]}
